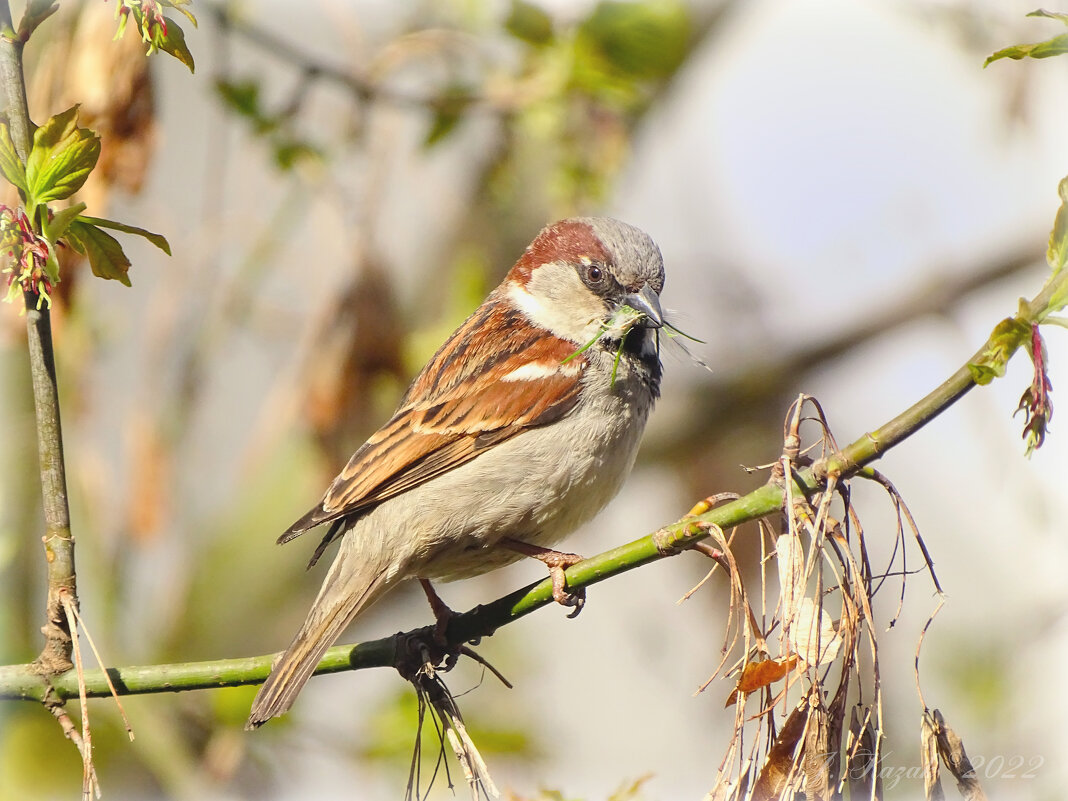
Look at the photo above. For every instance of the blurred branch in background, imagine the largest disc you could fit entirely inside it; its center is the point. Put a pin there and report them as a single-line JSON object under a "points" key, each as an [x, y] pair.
{"points": [[756, 392]]}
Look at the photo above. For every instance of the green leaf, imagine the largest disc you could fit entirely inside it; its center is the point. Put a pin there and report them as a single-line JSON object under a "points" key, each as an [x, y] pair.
{"points": [[157, 31], [104, 252], [60, 222], [1041, 12], [1056, 46], [529, 23], [1057, 252], [444, 123], [243, 97], [156, 239], [179, 6], [1006, 337], [630, 790], [449, 110], [61, 159], [51, 268], [10, 163], [174, 44], [1058, 299], [983, 374], [288, 152], [641, 40]]}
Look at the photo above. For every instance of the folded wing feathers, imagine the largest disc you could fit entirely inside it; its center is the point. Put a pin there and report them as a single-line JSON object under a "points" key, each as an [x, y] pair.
{"points": [[446, 423]]}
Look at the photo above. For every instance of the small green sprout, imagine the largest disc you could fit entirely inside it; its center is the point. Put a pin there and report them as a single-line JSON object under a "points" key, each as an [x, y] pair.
{"points": [[618, 326]]}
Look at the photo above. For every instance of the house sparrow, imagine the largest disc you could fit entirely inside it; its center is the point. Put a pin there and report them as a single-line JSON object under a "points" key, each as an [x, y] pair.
{"points": [[515, 433]]}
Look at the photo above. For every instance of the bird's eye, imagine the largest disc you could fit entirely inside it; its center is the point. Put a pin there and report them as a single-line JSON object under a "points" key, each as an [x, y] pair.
{"points": [[594, 274]]}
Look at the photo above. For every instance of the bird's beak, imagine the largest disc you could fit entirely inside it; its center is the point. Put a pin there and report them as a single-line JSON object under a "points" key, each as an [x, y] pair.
{"points": [[648, 303]]}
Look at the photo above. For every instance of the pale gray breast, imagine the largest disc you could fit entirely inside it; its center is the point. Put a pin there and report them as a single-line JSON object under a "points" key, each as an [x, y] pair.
{"points": [[537, 487]]}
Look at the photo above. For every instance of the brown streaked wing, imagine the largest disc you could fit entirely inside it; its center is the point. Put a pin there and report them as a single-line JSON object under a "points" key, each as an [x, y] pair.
{"points": [[392, 452], [418, 450], [446, 422]]}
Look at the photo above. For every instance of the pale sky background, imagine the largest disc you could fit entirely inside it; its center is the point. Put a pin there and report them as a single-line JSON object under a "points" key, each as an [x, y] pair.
{"points": [[840, 152]]}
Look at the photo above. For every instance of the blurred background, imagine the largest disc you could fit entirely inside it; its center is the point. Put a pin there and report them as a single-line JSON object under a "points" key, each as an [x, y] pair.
{"points": [[846, 202]]}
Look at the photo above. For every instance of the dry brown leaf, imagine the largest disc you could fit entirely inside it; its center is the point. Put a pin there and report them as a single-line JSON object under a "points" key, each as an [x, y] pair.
{"points": [[112, 82], [773, 775], [357, 348], [951, 749], [932, 785], [863, 768], [760, 674], [817, 756]]}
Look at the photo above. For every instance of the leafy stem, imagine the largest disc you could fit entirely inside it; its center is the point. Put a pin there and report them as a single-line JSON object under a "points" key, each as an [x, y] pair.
{"points": [[55, 658], [47, 164]]}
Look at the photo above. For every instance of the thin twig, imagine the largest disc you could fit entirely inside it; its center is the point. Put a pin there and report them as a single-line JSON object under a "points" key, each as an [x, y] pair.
{"points": [[362, 89], [70, 731], [88, 771], [919, 647], [73, 611]]}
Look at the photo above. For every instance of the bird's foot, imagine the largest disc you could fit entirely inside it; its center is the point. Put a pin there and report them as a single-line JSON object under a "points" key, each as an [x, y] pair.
{"points": [[442, 613], [557, 562]]}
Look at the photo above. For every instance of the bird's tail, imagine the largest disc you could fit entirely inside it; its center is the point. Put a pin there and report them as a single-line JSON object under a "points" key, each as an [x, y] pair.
{"points": [[355, 581]]}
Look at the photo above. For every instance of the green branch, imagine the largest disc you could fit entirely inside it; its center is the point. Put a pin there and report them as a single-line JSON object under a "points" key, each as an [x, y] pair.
{"points": [[20, 681], [25, 682], [14, 83], [988, 362], [55, 658]]}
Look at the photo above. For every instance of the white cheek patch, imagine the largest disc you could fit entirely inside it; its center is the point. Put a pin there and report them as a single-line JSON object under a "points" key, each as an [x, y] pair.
{"points": [[558, 315], [527, 303], [532, 371]]}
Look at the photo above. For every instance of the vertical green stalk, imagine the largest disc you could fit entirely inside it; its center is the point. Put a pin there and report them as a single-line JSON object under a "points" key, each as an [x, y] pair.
{"points": [[14, 88], [58, 542]]}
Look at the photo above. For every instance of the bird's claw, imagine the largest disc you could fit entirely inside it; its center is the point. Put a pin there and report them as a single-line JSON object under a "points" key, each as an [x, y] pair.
{"points": [[442, 613], [562, 595]]}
